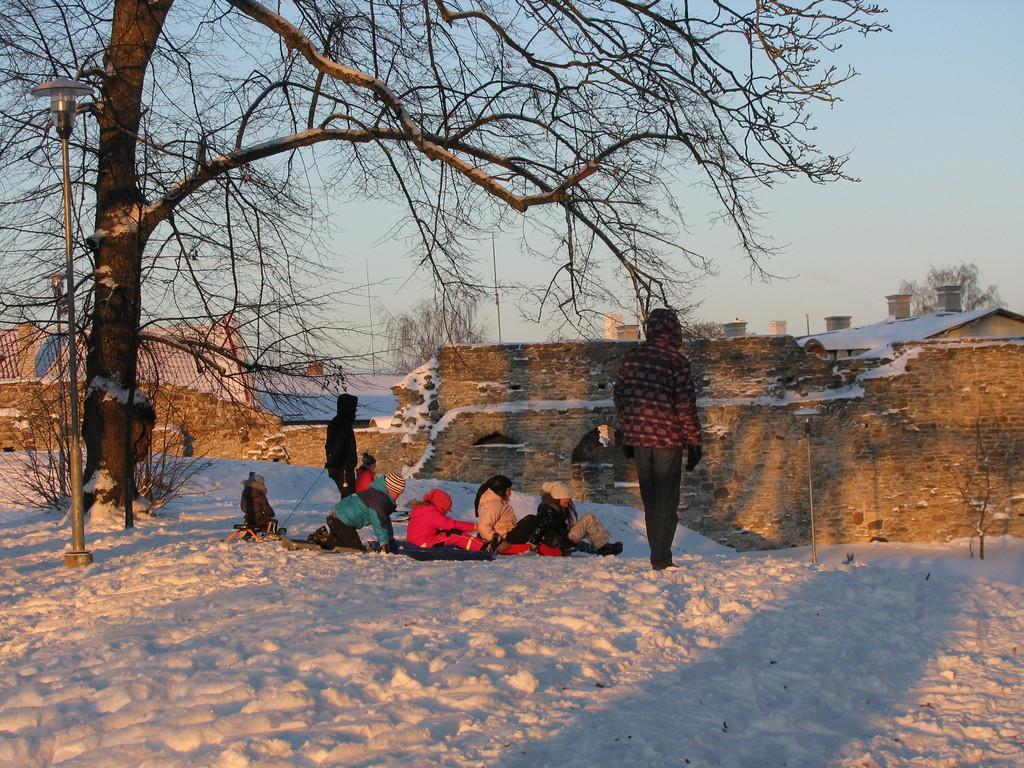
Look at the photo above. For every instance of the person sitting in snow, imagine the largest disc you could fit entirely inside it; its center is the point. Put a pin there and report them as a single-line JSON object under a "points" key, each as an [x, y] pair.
{"points": [[559, 526], [256, 509], [365, 475], [371, 507], [430, 525], [497, 522]]}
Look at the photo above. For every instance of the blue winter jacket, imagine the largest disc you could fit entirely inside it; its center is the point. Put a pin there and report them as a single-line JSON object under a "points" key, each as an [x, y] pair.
{"points": [[371, 507]]}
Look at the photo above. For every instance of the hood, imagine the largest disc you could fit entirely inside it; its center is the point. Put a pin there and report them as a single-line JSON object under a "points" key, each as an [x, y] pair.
{"points": [[347, 407], [663, 329], [439, 499]]}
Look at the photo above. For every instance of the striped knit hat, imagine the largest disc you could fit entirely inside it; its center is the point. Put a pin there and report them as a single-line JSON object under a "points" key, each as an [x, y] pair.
{"points": [[395, 484]]}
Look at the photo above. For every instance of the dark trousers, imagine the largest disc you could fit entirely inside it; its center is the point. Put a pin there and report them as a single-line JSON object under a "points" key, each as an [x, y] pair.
{"points": [[523, 530], [659, 471], [342, 535], [345, 479]]}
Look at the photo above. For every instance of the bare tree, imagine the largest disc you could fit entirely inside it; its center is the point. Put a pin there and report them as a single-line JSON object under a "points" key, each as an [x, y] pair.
{"points": [[415, 336], [579, 118], [698, 330], [986, 469], [966, 275]]}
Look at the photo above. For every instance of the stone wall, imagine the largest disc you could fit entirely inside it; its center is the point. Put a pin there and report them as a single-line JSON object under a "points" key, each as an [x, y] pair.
{"points": [[22, 404], [392, 449], [198, 424], [890, 445]]}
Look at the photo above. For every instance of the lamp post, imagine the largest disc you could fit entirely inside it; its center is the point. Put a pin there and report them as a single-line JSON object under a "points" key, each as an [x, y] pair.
{"points": [[805, 415], [62, 94]]}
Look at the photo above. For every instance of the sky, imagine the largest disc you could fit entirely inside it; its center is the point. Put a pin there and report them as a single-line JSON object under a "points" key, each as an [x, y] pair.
{"points": [[933, 128]]}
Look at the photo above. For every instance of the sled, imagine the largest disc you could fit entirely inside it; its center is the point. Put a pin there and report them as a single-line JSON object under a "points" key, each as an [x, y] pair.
{"points": [[440, 553], [243, 532], [294, 545], [516, 549]]}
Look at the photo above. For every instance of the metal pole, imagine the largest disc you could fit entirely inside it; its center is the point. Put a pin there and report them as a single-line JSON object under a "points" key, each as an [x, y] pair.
{"points": [[497, 301], [369, 309], [810, 491], [78, 555]]}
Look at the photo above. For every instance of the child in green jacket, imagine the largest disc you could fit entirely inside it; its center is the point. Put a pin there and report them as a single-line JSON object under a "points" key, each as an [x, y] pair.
{"points": [[372, 507]]}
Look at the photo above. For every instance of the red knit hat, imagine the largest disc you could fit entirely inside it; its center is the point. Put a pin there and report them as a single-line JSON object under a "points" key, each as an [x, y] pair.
{"points": [[439, 499]]}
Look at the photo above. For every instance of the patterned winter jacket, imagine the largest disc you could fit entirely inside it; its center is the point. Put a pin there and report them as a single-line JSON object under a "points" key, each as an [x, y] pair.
{"points": [[256, 507], [654, 391]]}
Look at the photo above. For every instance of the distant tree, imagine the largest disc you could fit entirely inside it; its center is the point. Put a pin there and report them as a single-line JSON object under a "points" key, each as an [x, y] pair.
{"points": [[416, 335], [966, 275], [698, 330]]}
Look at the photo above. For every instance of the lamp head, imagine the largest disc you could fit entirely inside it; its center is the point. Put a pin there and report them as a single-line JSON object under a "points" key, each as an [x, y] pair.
{"points": [[62, 94]]}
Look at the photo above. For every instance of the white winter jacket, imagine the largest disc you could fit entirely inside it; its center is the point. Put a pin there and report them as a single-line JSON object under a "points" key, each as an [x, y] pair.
{"points": [[496, 516]]}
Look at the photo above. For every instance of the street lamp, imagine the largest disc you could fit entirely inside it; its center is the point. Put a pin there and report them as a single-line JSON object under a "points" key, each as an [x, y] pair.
{"points": [[62, 94], [805, 415]]}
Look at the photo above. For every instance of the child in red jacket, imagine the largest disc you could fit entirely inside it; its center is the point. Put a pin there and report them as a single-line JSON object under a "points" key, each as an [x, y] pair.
{"points": [[366, 473], [430, 525]]}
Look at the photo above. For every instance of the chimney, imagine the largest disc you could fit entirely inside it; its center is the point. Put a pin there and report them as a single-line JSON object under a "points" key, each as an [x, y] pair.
{"points": [[612, 323], [627, 332], [315, 369], [28, 339], [899, 306], [735, 330], [948, 298], [777, 327], [837, 322]]}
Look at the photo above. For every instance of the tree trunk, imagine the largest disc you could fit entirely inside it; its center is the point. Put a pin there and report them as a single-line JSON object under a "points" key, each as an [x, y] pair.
{"points": [[121, 236]]}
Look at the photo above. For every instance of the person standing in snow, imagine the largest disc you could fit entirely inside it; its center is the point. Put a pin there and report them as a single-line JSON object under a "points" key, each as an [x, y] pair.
{"points": [[365, 475], [431, 526], [657, 407], [559, 526], [497, 522], [340, 446], [372, 507]]}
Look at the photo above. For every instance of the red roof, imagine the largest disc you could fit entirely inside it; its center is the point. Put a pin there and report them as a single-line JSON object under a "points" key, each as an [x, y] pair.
{"points": [[164, 358]]}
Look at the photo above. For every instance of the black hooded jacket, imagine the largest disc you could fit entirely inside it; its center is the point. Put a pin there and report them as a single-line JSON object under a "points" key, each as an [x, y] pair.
{"points": [[340, 446]]}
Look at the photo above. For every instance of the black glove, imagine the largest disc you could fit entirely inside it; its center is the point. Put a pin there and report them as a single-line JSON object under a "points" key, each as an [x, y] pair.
{"points": [[693, 454], [628, 450]]}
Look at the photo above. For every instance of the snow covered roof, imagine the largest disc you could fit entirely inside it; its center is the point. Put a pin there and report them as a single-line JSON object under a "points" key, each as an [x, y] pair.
{"points": [[165, 361], [164, 358], [884, 334], [11, 353], [313, 399]]}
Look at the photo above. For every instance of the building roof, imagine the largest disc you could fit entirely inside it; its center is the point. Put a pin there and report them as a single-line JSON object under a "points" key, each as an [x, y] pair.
{"points": [[163, 358], [11, 353], [879, 336], [313, 399], [167, 360]]}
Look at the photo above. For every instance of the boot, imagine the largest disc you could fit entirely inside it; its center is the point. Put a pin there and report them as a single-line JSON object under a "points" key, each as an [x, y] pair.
{"points": [[585, 546], [612, 548]]}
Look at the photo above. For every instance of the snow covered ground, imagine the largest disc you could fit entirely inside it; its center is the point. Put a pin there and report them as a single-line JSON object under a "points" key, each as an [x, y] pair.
{"points": [[177, 649]]}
